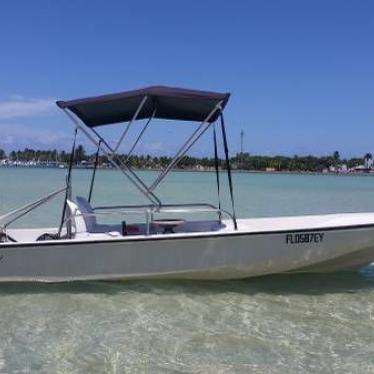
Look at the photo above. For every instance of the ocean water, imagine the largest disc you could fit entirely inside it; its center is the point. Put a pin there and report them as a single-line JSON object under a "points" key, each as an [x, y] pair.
{"points": [[276, 324]]}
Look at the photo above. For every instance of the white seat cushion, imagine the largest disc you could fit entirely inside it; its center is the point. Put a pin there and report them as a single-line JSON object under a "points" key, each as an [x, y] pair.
{"points": [[87, 211], [77, 220]]}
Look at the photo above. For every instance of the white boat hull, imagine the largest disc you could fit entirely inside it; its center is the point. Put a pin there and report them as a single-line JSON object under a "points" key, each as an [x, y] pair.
{"points": [[286, 246]]}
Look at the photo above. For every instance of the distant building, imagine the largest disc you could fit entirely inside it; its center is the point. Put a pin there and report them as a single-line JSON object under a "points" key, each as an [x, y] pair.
{"points": [[368, 163], [343, 168], [332, 169], [361, 169]]}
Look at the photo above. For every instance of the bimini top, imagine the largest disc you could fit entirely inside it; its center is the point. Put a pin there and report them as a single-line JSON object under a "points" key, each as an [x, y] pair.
{"points": [[164, 102]]}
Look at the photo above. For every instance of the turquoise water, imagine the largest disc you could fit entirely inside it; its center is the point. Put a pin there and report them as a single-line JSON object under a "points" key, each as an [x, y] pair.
{"points": [[276, 324], [256, 195]]}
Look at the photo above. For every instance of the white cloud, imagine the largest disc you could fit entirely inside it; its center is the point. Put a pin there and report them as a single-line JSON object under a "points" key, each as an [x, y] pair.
{"points": [[153, 147], [18, 128], [16, 107], [21, 135]]}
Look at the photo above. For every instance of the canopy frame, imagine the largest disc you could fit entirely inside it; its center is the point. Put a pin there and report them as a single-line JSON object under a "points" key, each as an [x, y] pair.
{"points": [[123, 166], [196, 135], [95, 138], [131, 122]]}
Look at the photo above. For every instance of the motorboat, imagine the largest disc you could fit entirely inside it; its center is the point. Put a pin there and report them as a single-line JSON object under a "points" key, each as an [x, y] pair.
{"points": [[164, 242]]}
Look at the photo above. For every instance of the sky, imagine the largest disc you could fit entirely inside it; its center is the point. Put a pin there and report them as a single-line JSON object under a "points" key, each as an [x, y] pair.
{"points": [[301, 72]]}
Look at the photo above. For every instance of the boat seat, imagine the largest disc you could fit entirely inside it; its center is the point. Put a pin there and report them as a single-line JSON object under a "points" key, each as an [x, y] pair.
{"points": [[87, 211], [90, 220], [77, 221]]}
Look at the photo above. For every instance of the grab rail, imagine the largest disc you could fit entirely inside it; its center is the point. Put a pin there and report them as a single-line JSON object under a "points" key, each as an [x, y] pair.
{"points": [[157, 207], [150, 211], [165, 208], [22, 211]]}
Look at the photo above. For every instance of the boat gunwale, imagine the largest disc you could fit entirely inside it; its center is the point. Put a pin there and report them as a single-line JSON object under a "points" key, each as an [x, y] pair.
{"points": [[208, 235]]}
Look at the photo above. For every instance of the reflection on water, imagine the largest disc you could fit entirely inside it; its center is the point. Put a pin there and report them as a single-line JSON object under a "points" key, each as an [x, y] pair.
{"points": [[280, 284], [275, 324]]}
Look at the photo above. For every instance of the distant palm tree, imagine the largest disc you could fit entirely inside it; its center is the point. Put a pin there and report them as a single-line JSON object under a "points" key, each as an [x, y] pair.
{"points": [[336, 158], [80, 153]]}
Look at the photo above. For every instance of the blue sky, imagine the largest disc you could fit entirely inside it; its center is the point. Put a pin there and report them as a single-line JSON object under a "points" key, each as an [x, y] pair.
{"points": [[301, 72]]}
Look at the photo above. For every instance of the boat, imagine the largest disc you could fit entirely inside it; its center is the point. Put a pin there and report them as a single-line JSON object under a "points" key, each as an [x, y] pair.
{"points": [[164, 242]]}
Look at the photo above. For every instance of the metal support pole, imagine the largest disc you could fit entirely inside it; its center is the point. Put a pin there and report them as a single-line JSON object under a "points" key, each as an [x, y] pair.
{"points": [[94, 174], [228, 167], [118, 163], [216, 166], [241, 149], [196, 135], [68, 190], [130, 123], [148, 222], [140, 135], [138, 183]]}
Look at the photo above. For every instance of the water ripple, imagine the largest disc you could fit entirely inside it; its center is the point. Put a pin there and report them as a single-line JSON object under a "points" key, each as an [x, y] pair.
{"points": [[276, 324]]}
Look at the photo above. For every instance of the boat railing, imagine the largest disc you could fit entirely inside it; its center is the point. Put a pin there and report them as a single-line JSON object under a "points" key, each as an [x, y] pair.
{"points": [[163, 207], [149, 211], [172, 208], [16, 214]]}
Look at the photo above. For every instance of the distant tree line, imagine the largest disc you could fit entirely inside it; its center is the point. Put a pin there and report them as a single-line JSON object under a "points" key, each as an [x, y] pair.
{"points": [[296, 163], [243, 161]]}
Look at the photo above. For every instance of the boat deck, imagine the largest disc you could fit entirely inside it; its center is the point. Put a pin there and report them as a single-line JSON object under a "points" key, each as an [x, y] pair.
{"points": [[307, 222]]}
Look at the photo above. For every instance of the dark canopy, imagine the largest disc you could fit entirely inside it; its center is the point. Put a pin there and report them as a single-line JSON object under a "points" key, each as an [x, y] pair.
{"points": [[169, 102]]}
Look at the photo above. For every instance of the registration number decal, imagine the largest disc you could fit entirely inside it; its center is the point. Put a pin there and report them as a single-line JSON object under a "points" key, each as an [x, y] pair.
{"points": [[313, 237]]}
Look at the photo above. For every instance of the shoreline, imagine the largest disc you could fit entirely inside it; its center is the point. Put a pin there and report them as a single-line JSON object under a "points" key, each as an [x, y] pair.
{"points": [[235, 171]]}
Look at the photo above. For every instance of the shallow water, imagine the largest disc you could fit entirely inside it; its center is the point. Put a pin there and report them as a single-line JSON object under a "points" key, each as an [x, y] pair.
{"points": [[275, 324]]}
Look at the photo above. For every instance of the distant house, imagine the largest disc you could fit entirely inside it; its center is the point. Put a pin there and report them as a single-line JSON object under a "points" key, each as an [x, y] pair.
{"points": [[368, 163], [343, 168], [332, 169], [199, 167]]}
